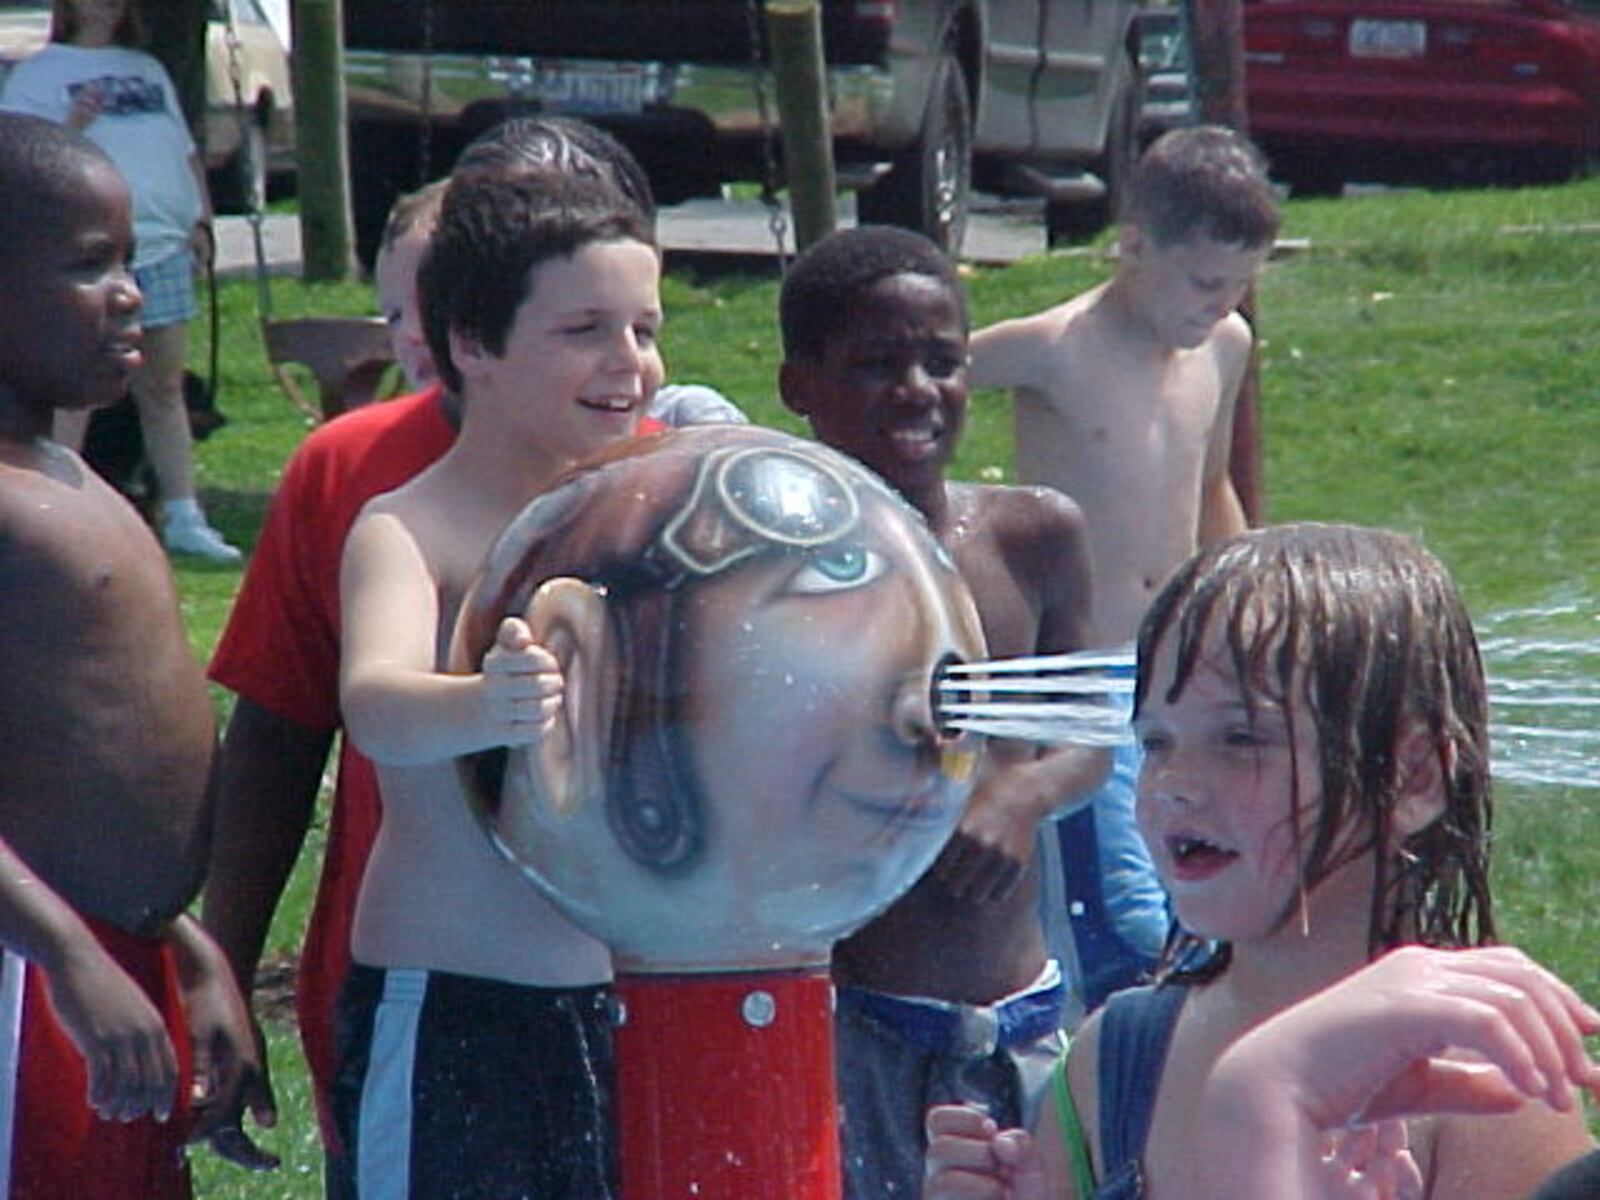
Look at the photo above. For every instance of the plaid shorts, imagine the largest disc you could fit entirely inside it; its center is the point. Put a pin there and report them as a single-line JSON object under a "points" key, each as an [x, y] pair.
{"points": [[168, 287]]}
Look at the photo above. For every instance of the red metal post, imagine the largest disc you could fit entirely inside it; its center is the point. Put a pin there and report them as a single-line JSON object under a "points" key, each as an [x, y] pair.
{"points": [[725, 1086]]}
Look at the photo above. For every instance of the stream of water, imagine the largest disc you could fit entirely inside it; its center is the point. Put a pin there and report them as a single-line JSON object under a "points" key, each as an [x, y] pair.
{"points": [[1542, 663]]}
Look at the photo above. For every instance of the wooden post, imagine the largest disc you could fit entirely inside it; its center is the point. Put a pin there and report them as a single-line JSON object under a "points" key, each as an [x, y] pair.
{"points": [[794, 34], [321, 145], [1216, 57]]}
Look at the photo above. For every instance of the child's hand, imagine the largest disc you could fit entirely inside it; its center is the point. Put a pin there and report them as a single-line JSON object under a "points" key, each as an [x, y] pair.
{"points": [[230, 1071], [85, 107], [1377, 1040], [133, 1069], [992, 846], [522, 686], [1372, 1162], [970, 1158]]}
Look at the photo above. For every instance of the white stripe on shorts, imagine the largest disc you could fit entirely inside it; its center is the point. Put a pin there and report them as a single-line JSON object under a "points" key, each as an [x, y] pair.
{"points": [[383, 1150], [13, 971]]}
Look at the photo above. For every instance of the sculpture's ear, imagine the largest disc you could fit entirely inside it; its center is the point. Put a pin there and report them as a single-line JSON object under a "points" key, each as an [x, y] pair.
{"points": [[569, 618]]}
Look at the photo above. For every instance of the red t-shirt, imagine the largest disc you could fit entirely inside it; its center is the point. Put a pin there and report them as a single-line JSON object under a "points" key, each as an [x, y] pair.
{"points": [[281, 650]]}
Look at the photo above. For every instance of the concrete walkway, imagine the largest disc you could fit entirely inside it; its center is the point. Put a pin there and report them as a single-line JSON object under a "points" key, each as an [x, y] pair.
{"points": [[997, 233]]}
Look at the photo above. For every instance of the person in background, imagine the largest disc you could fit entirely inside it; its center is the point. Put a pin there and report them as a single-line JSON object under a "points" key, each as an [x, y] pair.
{"points": [[1124, 399], [93, 77]]}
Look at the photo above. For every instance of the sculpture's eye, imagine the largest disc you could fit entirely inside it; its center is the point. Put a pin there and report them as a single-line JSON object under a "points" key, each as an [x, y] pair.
{"points": [[837, 568]]}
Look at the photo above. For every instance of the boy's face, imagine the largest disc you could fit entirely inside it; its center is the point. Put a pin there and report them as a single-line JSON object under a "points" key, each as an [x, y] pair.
{"points": [[580, 358], [1184, 289], [891, 390], [395, 277], [69, 308]]}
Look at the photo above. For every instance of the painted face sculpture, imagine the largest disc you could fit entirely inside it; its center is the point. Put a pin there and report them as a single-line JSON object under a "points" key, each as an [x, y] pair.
{"points": [[747, 765]]}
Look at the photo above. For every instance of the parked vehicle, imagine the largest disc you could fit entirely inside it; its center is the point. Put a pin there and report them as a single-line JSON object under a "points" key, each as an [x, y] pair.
{"points": [[244, 143], [928, 98], [1422, 91], [1164, 53]]}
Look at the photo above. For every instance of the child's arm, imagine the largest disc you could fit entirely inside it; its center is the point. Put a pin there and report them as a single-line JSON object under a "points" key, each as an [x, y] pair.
{"points": [[131, 1064], [398, 707], [227, 1058], [995, 841], [1369, 1048], [1221, 513], [1005, 355]]}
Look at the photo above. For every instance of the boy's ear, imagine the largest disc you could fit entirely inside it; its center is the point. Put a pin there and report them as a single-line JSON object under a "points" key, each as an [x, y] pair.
{"points": [[796, 380], [569, 618], [1422, 766], [466, 352]]}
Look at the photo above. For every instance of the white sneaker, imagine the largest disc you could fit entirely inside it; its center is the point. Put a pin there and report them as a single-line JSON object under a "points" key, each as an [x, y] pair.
{"points": [[196, 539]]}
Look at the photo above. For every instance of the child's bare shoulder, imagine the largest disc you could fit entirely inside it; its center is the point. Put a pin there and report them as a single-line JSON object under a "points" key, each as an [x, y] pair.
{"points": [[1036, 521], [1033, 350]]}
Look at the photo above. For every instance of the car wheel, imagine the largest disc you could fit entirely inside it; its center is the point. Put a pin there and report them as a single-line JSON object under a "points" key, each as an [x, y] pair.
{"points": [[1069, 221], [241, 185], [929, 187]]}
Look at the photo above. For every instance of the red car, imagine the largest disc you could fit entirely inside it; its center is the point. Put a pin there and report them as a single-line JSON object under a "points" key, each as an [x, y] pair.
{"points": [[1420, 92]]}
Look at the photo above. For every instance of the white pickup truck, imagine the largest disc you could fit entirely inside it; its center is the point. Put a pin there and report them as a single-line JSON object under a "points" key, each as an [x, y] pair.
{"points": [[927, 98]]}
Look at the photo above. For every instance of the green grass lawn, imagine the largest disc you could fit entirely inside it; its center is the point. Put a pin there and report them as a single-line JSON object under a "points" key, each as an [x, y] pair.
{"points": [[1430, 362]]}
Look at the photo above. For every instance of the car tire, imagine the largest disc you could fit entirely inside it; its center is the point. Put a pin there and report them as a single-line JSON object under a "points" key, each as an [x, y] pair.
{"points": [[929, 186], [1076, 221], [240, 186]]}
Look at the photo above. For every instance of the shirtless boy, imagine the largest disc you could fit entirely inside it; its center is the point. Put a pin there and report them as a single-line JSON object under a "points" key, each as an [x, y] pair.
{"points": [[119, 1011], [473, 1036], [1124, 398], [875, 351], [1124, 395]]}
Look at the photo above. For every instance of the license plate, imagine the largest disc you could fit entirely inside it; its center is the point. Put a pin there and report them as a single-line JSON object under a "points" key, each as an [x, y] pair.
{"points": [[1388, 39], [587, 89]]}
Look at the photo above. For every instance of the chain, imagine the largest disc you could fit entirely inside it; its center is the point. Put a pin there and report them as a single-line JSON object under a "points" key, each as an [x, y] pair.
{"points": [[425, 128], [777, 219]]}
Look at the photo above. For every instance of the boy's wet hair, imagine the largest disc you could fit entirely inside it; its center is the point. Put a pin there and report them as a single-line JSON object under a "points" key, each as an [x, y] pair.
{"points": [[820, 290], [41, 166], [412, 210], [563, 144], [493, 231], [1203, 181], [1365, 630]]}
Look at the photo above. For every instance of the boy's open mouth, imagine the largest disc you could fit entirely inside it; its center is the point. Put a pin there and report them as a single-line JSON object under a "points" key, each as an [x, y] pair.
{"points": [[613, 404]]}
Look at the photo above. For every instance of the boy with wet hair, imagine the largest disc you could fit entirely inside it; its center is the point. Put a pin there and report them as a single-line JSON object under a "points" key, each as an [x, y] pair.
{"points": [[950, 991], [120, 1017], [1124, 397], [473, 1030]]}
